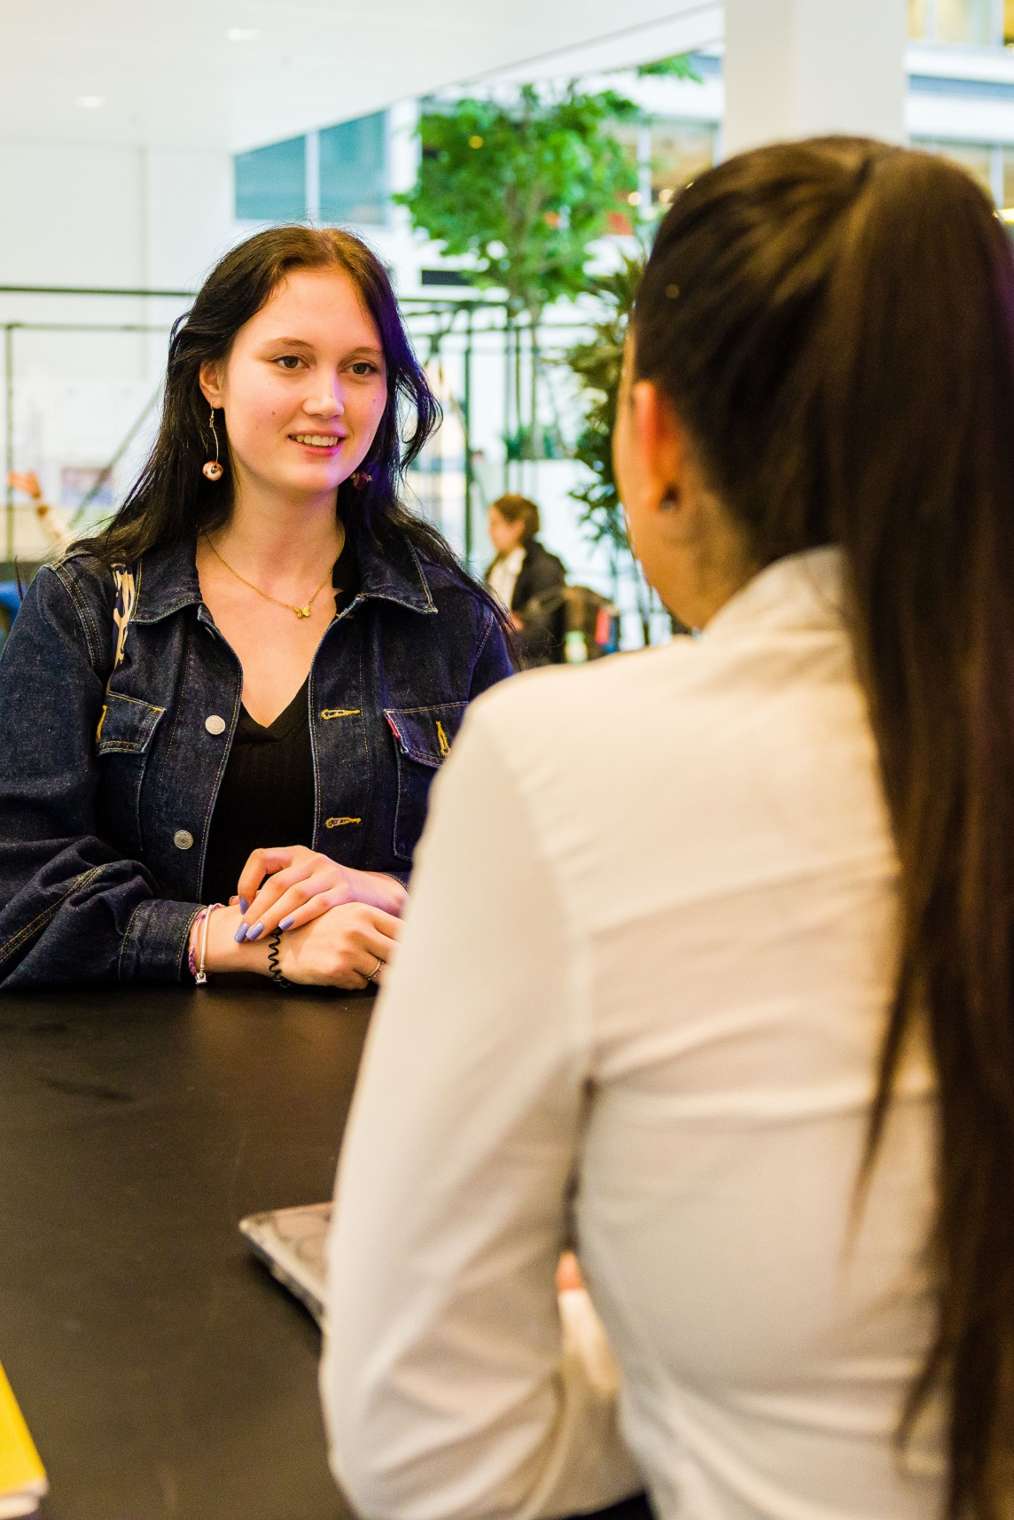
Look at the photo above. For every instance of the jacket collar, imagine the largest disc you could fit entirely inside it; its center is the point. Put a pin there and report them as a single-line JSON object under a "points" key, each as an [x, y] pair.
{"points": [[400, 577], [168, 579]]}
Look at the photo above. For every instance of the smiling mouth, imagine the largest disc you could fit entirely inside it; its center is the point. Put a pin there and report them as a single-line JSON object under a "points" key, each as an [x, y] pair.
{"points": [[319, 440]]}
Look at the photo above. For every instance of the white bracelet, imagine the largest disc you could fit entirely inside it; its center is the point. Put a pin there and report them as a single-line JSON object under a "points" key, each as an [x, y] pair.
{"points": [[201, 978]]}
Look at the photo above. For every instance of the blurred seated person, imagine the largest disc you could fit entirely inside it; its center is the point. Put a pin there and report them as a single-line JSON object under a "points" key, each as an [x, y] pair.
{"points": [[55, 524], [524, 575]]}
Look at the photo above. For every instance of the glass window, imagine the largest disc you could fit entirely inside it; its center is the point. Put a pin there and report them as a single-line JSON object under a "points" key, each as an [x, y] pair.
{"points": [[965, 21], [353, 170], [968, 22], [977, 158], [271, 182], [1008, 179], [680, 150]]}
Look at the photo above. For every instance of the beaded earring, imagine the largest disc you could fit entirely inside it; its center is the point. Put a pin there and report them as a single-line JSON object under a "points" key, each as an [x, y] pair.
{"points": [[213, 469]]}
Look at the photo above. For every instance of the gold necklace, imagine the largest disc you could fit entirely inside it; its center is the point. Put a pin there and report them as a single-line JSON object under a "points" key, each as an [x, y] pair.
{"points": [[301, 612]]}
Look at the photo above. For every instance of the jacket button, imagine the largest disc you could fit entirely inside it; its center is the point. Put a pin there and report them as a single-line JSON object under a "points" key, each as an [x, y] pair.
{"points": [[214, 724], [183, 839]]}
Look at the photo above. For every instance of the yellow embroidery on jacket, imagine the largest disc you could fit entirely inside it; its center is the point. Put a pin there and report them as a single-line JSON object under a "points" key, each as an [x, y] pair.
{"points": [[126, 596], [127, 588]]}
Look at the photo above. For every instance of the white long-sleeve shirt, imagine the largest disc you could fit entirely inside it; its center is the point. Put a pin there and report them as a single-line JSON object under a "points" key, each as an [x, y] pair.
{"points": [[503, 575], [650, 948]]}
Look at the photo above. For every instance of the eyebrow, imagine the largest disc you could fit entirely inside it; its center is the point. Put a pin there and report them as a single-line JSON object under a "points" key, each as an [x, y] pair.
{"points": [[362, 348]]}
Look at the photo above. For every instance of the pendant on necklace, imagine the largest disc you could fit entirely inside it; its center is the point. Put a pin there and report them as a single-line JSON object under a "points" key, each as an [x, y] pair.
{"points": [[302, 612]]}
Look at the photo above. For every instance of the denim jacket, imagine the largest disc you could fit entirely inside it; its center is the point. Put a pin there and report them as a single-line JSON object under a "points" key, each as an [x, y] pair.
{"points": [[108, 777]]}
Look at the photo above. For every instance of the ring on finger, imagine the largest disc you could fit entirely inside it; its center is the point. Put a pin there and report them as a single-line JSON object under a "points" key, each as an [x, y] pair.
{"points": [[371, 974]]}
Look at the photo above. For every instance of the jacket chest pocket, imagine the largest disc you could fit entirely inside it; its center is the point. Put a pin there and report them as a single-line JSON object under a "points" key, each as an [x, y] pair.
{"points": [[422, 737], [122, 743]]}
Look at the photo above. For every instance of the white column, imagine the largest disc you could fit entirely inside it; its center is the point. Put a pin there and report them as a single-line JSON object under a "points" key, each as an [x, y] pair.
{"points": [[798, 68]]}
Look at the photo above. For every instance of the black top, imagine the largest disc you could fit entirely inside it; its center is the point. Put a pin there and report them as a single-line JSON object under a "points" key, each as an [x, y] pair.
{"points": [[541, 573], [266, 796], [267, 793]]}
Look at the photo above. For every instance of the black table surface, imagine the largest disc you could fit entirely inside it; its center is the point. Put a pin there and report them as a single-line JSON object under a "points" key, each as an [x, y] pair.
{"points": [[161, 1369]]}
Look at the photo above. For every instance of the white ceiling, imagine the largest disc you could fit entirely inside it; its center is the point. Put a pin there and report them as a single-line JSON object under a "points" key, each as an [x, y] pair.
{"points": [[168, 74]]}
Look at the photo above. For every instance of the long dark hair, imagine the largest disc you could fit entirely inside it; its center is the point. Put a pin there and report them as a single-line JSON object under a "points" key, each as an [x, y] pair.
{"points": [[834, 322], [172, 501]]}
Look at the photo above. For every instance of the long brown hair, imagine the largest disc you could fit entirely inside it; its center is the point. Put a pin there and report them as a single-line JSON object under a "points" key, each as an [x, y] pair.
{"points": [[834, 322]]}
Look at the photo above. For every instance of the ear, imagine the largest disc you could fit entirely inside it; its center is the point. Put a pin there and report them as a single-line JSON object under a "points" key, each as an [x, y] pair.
{"points": [[210, 380], [661, 444]]}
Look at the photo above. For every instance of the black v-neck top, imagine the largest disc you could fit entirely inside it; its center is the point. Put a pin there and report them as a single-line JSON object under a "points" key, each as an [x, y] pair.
{"points": [[267, 796]]}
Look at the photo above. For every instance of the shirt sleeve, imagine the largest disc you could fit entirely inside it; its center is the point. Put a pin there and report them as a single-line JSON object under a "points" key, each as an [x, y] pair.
{"points": [[452, 1388], [71, 910]]}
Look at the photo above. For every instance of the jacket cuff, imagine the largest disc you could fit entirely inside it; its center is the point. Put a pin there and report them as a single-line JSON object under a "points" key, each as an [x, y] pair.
{"points": [[154, 947]]}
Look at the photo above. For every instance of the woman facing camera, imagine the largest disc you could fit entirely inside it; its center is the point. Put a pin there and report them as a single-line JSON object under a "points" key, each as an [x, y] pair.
{"points": [[756, 1058], [243, 687]]}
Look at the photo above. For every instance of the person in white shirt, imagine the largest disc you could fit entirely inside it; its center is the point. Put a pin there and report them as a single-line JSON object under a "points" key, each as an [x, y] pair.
{"points": [[709, 965]]}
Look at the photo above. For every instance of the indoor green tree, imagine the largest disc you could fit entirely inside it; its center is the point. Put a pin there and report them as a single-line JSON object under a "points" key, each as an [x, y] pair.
{"points": [[523, 188], [596, 362]]}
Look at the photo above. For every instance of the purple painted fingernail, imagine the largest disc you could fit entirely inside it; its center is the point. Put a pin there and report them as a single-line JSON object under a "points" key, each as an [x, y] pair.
{"points": [[240, 934], [255, 932], [286, 922], [243, 905]]}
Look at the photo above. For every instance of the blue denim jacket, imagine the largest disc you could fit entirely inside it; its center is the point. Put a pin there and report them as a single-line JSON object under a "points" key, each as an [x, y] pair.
{"points": [[103, 836]]}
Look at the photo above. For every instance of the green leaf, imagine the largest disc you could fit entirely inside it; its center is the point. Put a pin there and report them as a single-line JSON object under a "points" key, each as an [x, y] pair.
{"points": [[677, 66]]}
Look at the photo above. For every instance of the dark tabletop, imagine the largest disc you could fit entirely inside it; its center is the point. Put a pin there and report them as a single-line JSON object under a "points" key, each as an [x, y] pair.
{"points": [[160, 1368], [162, 1371]]}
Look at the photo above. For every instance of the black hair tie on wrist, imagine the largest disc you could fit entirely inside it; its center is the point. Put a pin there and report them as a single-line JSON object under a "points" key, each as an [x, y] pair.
{"points": [[274, 968]]}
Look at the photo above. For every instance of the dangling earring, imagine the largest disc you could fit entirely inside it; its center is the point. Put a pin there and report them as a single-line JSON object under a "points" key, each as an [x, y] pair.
{"points": [[360, 479], [213, 469]]}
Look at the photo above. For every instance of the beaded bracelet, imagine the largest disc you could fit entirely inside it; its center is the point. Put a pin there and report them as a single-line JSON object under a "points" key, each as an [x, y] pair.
{"points": [[274, 967], [191, 954], [196, 967]]}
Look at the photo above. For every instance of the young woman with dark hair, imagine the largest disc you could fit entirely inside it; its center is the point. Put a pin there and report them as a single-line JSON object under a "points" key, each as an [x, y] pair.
{"points": [[242, 688], [758, 1057], [527, 579]]}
